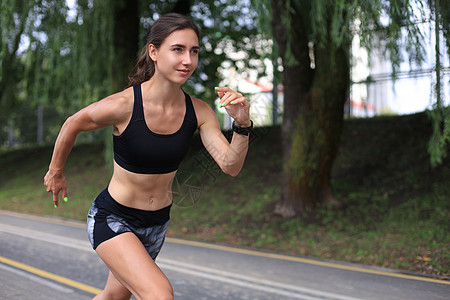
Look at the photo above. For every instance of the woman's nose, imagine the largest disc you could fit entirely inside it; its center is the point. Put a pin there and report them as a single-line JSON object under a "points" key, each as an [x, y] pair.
{"points": [[187, 58]]}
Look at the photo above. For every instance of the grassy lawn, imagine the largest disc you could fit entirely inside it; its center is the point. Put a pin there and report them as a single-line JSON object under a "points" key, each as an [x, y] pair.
{"points": [[396, 207]]}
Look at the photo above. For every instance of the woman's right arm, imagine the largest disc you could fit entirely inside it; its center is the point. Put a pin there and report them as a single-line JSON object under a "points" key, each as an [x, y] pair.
{"points": [[109, 111]]}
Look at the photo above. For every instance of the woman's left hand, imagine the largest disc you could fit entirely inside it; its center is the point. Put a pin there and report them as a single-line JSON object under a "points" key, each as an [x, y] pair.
{"points": [[235, 104]]}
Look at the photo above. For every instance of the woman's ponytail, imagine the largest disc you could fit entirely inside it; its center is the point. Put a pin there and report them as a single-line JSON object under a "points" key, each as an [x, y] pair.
{"points": [[144, 69]]}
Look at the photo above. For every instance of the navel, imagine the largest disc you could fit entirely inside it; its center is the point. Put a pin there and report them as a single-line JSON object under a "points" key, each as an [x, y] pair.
{"points": [[150, 200]]}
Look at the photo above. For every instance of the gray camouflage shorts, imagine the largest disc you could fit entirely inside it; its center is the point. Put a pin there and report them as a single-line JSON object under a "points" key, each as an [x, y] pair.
{"points": [[107, 218]]}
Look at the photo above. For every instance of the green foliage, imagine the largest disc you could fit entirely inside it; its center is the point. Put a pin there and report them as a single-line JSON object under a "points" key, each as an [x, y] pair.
{"points": [[15, 18], [332, 23], [381, 25], [437, 145], [395, 214], [441, 8], [63, 61], [264, 16], [66, 58]]}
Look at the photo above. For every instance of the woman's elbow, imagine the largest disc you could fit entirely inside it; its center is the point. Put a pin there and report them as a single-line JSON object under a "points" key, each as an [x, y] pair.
{"points": [[70, 129], [234, 174], [231, 171]]}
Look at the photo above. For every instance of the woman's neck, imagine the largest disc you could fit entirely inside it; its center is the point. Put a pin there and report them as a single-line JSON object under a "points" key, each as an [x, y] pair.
{"points": [[161, 92]]}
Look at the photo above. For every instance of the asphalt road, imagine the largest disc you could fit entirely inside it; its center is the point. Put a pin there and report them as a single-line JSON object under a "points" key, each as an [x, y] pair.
{"points": [[48, 258]]}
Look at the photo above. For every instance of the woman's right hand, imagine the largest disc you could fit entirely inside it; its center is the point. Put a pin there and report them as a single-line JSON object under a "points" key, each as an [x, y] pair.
{"points": [[112, 110], [55, 182]]}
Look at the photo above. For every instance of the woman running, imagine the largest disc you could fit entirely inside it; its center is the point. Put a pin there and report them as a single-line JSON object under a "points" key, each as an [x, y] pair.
{"points": [[153, 121]]}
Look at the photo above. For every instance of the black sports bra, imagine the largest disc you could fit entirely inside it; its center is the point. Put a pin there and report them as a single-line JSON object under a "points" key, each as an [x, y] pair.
{"points": [[140, 150]]}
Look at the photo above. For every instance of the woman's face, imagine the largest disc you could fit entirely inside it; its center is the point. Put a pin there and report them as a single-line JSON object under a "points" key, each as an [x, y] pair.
{"points": [[177, 57]]}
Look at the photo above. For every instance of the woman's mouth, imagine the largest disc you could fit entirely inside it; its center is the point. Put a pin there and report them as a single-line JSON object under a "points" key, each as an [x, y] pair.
{"points": [[183, 72]]}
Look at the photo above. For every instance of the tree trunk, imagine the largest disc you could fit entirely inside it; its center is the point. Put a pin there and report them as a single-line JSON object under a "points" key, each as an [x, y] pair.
{"points": [[182, 7], [125, 42], [9, 59], [125, 50], [40, 124], [312, 118]]}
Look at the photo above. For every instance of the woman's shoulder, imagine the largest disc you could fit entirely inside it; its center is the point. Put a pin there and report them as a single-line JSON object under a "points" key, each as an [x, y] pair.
{"points": [[120, 102], [123, 97], [116, 107], [203, 110], [200, 105]]}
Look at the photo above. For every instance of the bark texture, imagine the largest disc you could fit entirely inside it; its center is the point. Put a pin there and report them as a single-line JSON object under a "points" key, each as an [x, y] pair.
{"points": [[125, 42], [313, 115]]}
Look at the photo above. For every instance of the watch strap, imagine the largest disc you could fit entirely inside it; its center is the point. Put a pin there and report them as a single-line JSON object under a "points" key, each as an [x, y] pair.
{"points": [[242, 130]]}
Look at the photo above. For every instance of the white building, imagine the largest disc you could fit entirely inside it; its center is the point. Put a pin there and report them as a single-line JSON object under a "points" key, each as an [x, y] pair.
{"points": [[374, 92]]}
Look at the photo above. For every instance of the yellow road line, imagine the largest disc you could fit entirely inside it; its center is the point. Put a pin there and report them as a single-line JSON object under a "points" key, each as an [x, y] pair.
{"points": [[256, 253], [304, 260], [48, 275]]}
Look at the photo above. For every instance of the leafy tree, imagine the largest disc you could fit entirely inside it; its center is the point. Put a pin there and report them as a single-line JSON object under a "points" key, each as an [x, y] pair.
{"points": [[314, 97], [440, 115], [70, 57], [15, 21], [48, 58]]}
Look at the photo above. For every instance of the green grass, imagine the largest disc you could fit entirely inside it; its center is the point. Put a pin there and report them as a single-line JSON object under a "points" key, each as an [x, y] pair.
{"points": [[396, 207]]}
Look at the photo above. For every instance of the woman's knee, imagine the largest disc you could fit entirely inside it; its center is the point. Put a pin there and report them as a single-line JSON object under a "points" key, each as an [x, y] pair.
{"points": [[166, 295], [161, 293]]}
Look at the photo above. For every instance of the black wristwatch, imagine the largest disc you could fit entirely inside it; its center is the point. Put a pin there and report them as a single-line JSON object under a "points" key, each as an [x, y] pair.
{"points": [[242, 130]]}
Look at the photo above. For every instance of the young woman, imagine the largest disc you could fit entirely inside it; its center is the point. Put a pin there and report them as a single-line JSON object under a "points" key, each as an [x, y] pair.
{"points": [[153, 122]]}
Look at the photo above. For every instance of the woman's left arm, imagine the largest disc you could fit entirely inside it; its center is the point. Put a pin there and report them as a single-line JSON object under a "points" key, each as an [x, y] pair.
{"points": [[229, 156]]}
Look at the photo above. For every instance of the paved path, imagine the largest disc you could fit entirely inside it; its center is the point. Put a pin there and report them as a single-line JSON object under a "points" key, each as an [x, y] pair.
{"points": [[48, 258]]}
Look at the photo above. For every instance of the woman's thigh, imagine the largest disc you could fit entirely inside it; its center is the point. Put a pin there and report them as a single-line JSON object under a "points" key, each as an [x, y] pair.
{"points": [[133, 267]]}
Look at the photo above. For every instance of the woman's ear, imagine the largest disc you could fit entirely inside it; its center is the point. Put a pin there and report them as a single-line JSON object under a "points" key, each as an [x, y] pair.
{"points": [[152, 52]]}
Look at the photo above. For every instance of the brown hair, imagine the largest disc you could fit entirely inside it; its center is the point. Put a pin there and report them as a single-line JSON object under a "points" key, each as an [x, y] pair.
{"points": [[160, 30]]}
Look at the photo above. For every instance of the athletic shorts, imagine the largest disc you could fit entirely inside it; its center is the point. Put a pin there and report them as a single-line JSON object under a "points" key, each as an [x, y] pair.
{"points": [[107, 218]]}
